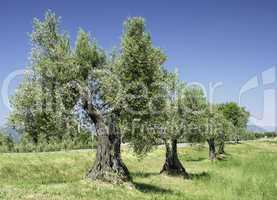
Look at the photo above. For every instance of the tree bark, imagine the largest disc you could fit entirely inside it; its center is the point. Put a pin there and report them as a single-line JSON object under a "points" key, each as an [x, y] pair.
{"points": [[237, 139], [221, 144], [108, 165], [173, 165], [221, 147], [212, 151], [53, 96]]}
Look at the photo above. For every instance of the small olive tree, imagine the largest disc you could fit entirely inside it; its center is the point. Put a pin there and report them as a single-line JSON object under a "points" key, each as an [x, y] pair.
{"points": [[237, 115], [184, 113], [173, 124], [218, 128]]}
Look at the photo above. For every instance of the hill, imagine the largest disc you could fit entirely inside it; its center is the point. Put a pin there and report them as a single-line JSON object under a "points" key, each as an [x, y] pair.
{"points": [[256, 129]]}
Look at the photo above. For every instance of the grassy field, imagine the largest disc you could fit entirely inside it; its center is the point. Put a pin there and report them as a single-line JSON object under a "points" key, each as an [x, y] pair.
{"points": [[249, 171]]}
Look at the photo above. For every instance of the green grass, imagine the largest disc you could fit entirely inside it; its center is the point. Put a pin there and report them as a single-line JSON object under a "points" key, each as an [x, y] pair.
{"points": [[249, 171]]}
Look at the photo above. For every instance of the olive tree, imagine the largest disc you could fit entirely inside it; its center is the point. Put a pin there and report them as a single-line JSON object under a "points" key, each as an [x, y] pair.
{"points": [[173, 125], [111, 91], [217, 129], [115, 90], [141, 73], [237, 115], [224, 134], [38, 111], [184, 113]]}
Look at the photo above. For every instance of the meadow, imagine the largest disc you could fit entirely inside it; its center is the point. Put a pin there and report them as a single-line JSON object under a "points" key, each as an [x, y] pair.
{"points": [[248, 171]]}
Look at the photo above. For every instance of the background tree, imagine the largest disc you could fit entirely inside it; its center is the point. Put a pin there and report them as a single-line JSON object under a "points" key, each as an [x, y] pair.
{"points": [[6, 142], [195, 118], [214, 127], [38, 111], [184, 114], [51, 63], [224, 134], [237, 115], [173, 125], [25, 115]]}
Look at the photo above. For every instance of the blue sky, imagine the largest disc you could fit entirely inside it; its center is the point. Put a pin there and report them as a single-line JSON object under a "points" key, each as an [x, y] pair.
{"points": [[208, 41]]}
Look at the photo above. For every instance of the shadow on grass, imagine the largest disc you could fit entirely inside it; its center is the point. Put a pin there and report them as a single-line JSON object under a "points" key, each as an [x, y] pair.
{"points": [[144, 174], [195, 159], [271, 142], [199, 176], [223, 157], [234, 143], [147, 188]]}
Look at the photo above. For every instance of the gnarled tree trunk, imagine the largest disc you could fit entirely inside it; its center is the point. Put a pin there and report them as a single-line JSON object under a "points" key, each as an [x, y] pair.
{"points": [[221, 146], [108, 165], [237, 139], [212, 151], [173, 165]]}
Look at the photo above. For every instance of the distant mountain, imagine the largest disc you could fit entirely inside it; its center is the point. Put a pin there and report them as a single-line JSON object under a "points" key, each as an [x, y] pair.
{"points": [[256, 129], [270, 128], [10, 132]]}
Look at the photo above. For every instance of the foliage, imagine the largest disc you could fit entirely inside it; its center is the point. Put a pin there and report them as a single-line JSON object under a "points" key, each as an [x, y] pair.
{"points": [[40, 111], [237, 115], [6, 143], [140, 72], [195, 118]]}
